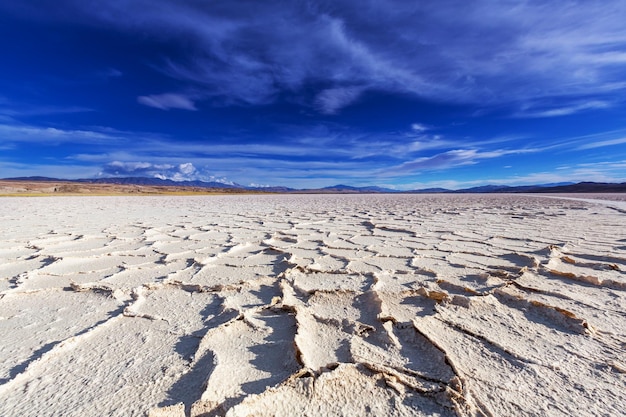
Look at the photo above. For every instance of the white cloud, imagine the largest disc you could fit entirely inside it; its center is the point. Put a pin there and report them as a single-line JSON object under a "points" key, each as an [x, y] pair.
{"points": [[137, 166], [451, 159], [184, 171], [17, 110], [418, 127], [592, 141], [603, 143], [565, 111], [331, 100], [17, 133], [187, 168], [480, 51], [168, 101]]}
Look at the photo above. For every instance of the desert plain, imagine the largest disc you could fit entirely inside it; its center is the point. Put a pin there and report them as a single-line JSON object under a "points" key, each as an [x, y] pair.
{"points": [[313, 305]]}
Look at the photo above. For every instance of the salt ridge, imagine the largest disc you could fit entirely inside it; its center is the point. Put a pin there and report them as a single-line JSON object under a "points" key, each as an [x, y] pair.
{"points": [[450, 305]]}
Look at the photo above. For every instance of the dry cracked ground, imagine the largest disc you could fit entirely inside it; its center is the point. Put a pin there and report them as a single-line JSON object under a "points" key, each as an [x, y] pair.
{"points": [[466, 305]]}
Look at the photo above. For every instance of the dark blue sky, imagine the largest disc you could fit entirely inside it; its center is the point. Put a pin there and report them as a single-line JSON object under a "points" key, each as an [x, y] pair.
{"points": [[402, 94]]}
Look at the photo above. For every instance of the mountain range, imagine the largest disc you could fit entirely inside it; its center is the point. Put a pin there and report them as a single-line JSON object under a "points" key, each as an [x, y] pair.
{"points": [[581, 187]]}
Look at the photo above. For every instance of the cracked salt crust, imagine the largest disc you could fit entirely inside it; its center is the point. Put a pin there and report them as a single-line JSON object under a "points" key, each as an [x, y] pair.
{"points": [[429, 305]]}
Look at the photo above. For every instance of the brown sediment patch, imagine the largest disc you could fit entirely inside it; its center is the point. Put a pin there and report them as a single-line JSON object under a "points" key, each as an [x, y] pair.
{"points": [[19, 188]]}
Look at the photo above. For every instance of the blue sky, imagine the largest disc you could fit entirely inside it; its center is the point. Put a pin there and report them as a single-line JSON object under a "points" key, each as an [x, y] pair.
{"points": [[401, 94]]}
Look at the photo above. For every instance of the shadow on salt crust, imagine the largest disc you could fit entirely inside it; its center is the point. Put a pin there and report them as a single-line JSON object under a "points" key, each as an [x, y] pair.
{"points": [[309, 305]]}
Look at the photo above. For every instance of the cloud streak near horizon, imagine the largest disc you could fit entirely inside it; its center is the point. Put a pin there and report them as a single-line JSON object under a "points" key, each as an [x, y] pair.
{"points": [[398, 91]]}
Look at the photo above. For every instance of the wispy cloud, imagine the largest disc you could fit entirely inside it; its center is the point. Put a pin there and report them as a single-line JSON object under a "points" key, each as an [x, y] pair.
{"points": [[15, 133], [564, 111], [230, 169], [110, 73], [451, 159], [418, 127], [331, 100], [592, 141], [611, 172], [603, 143], [9, 169], [168, 101], [319, 152], [480, 52], [20, 110], [316, 156], [604, 171]]}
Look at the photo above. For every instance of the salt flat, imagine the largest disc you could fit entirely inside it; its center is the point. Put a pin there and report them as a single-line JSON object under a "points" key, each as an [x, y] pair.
{"points": [[353, 305]]}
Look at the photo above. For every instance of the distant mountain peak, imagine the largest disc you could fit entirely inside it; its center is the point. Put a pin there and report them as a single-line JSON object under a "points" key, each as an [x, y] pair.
{"points": [[581, 187]]}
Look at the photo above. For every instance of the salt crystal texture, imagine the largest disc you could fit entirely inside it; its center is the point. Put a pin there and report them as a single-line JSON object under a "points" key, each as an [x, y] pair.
{"points": [[346, 305]]}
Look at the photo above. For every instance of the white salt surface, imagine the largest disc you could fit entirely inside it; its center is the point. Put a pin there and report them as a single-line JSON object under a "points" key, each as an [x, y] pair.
{"points": [[442, 305]]}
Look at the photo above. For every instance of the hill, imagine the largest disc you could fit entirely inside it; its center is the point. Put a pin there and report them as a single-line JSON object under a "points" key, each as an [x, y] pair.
{"points": [[144, 185]]}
